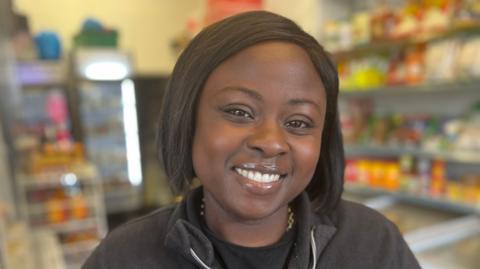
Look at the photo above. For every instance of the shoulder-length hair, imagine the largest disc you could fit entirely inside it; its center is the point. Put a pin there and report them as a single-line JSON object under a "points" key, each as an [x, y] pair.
{"points": [[206, 51]]}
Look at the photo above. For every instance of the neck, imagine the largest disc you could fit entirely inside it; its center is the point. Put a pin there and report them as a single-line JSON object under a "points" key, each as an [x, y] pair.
{"points": [[242, 231]]}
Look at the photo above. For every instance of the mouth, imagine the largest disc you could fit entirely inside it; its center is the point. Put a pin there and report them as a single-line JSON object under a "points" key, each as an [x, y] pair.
{"points": [[258, 176]]}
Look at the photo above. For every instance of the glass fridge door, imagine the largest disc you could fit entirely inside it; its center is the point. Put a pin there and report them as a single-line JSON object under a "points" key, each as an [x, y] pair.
{"points": [[108, 112]]}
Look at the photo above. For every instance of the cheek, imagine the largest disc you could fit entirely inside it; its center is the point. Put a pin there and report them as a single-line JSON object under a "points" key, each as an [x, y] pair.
{"points": [[307, 155], [212, 146]]}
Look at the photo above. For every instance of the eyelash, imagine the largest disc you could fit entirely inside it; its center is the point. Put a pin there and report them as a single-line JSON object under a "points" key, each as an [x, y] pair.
{"points": [[242, 115], [238, 113], [304, 124]]}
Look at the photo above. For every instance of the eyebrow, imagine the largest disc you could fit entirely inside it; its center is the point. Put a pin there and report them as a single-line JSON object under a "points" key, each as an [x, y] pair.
{"points": [[257, 96], [298, 102], [244, 90]]}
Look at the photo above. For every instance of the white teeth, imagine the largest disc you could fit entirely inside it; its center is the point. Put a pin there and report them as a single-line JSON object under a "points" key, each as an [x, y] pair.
{"points": [[257, 176], [242, 172]]}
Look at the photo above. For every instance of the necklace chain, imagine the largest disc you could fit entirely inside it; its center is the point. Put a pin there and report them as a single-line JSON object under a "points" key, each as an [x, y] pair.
{"points": [[290, 220]]}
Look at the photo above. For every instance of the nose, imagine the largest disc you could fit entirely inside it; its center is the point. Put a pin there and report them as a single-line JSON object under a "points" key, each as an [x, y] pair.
{"points": [[269, 139]]}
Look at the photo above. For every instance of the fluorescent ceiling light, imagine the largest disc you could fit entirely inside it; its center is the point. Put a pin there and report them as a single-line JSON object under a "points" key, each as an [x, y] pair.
{"points": [[106, 70]]}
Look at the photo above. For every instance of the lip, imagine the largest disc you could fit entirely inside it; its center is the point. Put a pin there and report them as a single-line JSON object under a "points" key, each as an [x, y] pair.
{"points": [[264, 168], [259, 188]]}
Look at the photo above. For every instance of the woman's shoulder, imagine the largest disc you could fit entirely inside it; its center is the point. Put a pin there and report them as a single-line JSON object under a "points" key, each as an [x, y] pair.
{"points": [[371, 240], [352, 217], [132, 242], [152, 223], [348, 212]]}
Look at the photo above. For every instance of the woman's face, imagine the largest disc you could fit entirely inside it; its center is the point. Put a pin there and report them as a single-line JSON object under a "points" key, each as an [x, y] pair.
{"points": [[258, 130]]}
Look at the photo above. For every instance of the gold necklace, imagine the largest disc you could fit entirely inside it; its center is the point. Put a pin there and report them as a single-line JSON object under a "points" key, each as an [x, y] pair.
{"points": [[290, 221]]}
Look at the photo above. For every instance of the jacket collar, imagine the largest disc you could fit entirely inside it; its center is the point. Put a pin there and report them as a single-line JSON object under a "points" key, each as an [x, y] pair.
{"points": [[184, 234], [313, 234]]}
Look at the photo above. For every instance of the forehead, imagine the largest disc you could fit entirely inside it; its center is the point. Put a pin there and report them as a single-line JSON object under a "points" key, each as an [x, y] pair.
{"points": [[279, 66]]}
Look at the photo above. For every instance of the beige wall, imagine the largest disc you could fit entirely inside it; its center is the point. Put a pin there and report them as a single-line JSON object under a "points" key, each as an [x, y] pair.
{"points": [[146, 26], [303, 12]]}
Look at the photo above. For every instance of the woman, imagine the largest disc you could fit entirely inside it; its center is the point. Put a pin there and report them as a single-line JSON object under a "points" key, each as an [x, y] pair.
{"points": [[251, 112]]}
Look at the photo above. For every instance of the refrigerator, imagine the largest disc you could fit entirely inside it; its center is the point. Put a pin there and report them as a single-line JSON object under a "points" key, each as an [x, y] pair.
{"points": [[464, 252], [108, 124], [439, 235]]}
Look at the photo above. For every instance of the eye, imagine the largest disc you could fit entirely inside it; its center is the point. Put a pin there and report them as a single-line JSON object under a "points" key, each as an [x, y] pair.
{"points": [[298, 124], [238, 114]]}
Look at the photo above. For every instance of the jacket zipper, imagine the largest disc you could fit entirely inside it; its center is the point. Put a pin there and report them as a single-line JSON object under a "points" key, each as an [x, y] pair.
{"points": [[314, 248], [195, 256]]}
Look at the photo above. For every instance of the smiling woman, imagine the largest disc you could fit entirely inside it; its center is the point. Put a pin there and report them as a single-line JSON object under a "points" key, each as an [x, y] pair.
{"points": [[252, 125], [251, 111]]}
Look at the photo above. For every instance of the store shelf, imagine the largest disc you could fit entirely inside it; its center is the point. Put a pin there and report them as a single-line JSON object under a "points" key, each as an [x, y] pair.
{"points": [[387, 151], [81, 246], [72, 225], [36, 208], [462, 254], [448, 87], [37, 73], [423, 200], [85, 175], [443, 233], [394, 44]]}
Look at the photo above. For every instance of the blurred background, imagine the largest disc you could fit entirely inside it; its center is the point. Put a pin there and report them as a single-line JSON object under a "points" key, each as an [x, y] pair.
{"points": [[81, 83]]}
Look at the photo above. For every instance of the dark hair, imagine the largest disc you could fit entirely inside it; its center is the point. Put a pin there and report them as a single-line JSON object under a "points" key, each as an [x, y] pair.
{"points": [[208, 50]]}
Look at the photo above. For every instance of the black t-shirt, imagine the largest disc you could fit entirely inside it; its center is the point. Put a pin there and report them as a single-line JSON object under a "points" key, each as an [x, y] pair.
{"points": [[234, 256]]}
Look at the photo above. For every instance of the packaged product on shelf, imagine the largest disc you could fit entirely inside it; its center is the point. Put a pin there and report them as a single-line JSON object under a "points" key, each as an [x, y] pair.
{"points": [[471, 188], [383, 23], [68, 204], [414, 64], [380, 130], [426, 132], [469, 11], [361, 31], [337, 35], [52, 157], [437, 15], [354, 119], [438, 178], [406, 131], [330, 35], [422, 177], [57, 213], [468, 137], [468, 60], [79, 207], [351, 171], [365, 73], [396, 69], [55, 205], [408, 20], [78, 236], [440, 60]]}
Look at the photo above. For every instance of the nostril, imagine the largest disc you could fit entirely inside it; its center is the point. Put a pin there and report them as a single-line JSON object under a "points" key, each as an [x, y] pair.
{"points": [[269, 144]]}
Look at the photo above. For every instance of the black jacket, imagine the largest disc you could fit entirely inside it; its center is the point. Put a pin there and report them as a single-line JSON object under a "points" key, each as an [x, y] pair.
{"points": [[353, 236]]}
